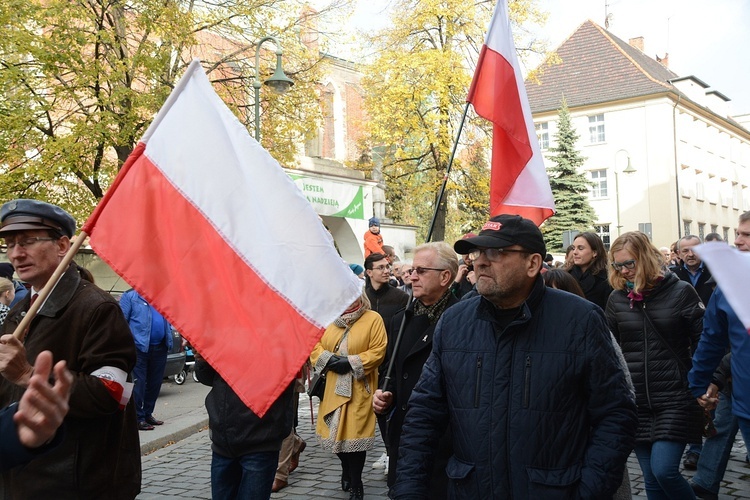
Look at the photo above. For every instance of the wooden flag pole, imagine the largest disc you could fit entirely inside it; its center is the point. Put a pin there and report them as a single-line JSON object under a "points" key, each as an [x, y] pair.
{"points": [[23, 326]]}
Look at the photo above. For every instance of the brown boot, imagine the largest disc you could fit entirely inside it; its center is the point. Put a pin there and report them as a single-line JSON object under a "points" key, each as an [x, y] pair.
{"points": [[279, 484]]}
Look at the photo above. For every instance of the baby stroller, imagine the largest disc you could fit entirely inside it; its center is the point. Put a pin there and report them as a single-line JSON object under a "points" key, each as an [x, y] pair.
{"points": [[180, 378]]}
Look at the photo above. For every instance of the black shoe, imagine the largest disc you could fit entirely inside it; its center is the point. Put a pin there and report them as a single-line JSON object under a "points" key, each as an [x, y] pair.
{"points": [[357, 492], [145, 426], [346, 485], [691, 461], [703, 493], [152, 421]]}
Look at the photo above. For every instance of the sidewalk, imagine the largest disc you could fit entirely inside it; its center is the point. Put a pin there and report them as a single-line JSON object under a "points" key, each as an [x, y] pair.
{"points": [[183, 470]]}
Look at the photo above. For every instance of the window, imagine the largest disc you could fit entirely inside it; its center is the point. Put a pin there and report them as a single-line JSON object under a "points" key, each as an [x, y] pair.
{"points": [[686, 227], [702, 230], [596, 129], [599, 178], [542, 133], [714, 228], [603, 231], [726, 234]]}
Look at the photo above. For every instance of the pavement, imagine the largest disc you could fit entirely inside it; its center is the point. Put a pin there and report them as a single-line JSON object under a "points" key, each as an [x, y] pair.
{"points": [[176, 458]]}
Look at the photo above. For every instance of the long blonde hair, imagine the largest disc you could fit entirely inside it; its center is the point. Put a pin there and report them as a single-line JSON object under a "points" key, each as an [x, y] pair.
{"points": [[649, 262]]}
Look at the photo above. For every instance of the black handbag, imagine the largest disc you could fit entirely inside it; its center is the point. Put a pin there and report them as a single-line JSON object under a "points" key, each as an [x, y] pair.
{"points": [[317, 386]]}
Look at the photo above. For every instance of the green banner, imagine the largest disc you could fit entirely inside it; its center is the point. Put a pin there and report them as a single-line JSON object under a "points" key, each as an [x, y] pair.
{"points": [[333, 198]]}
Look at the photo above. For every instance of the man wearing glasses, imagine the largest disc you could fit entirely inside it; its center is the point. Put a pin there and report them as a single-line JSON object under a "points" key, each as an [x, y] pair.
{"points": [[386, 300], [79, 323], [433, 271], [529, 380]]}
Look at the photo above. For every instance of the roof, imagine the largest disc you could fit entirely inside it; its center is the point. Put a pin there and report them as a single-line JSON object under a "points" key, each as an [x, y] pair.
{"points": [[596, 67]]}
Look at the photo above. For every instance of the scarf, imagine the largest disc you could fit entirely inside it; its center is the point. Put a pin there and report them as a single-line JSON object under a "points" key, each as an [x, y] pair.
{"points": [[640, 296], [350, 315], [434, 311]]}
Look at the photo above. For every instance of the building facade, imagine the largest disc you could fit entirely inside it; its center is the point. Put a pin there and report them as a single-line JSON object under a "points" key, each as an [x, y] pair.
{"points": [[662, 151]]}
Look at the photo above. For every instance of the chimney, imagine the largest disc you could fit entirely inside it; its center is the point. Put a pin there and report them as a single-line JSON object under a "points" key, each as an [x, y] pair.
{"points": [[637, 43], [663, 60]]}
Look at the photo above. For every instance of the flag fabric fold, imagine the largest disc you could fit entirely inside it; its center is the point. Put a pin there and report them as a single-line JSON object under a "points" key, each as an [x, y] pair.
{"points": [[519, 182], [730, 268], [210, 230]]}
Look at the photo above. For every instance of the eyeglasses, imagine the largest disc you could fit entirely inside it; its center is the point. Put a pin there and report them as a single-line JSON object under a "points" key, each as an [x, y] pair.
{"points": [[628, 264], [409, 271], [26, 242], [421, 270], [493, 254], [382, 268]]}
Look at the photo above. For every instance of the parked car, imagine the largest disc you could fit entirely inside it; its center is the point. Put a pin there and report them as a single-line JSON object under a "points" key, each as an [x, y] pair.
{"points": [[175, 356]]}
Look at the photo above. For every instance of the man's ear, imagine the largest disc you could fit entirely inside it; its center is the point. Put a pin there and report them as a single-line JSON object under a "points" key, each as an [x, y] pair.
{"points": [[534, 265], [63, 245]]}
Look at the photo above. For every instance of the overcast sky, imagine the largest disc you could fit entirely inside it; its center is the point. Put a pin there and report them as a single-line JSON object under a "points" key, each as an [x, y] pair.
{"points": [[707, 39]]}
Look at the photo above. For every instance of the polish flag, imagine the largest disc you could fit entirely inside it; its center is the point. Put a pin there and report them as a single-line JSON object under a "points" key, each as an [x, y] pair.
{"points": [[208, 228], [519, 182], [730, 268]]}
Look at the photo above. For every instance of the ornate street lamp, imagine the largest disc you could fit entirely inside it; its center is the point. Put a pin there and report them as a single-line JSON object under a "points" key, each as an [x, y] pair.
{"points": [[279, 82]]}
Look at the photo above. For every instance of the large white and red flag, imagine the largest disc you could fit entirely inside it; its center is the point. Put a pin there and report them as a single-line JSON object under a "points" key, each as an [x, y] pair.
{"points": [[208, 228], [519, 182]]}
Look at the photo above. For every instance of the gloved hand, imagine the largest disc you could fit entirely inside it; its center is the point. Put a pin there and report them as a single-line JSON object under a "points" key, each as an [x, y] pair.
{"points": [[339, 364]]}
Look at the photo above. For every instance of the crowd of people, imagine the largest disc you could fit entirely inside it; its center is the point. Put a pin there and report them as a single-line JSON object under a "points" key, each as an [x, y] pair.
{"points": [[490, 371]]}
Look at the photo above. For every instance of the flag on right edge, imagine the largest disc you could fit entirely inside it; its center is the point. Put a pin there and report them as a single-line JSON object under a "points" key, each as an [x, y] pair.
{"points": [[519, 182]]}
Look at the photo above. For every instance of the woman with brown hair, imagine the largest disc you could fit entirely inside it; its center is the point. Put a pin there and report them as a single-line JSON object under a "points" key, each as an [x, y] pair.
{"points": [[590, 268], [350, 351], [657, 320]]}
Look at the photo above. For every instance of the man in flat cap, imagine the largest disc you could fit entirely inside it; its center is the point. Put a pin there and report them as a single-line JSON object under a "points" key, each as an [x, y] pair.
{"points": [[529, 379], [83, 325]]}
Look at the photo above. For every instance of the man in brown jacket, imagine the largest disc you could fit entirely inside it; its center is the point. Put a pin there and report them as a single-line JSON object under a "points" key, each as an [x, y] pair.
{"points": [[83, 325]]}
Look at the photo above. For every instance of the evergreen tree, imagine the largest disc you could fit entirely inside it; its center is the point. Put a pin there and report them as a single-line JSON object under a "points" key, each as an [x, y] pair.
{"points": [[569, 185]]}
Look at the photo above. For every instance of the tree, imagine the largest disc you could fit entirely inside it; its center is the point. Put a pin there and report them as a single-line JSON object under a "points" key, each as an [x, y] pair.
{"points": [[415, 92], [569, 186], [80, 80]]}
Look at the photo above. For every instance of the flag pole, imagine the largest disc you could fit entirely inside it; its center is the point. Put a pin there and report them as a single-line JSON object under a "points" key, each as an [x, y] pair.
{"points": [[447, 173], [23, 326]]}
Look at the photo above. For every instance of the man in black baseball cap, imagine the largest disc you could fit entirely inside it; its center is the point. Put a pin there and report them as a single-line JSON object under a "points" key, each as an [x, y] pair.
{"points": [[84, 326], [528, 380]]}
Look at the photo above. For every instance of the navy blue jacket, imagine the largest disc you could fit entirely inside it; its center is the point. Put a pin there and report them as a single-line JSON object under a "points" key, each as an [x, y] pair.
{"points": [[539, 409], [12, 452]]}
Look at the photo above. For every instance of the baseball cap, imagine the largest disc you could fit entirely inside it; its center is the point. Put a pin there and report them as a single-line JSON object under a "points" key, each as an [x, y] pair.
{"points": [[503, 231]]}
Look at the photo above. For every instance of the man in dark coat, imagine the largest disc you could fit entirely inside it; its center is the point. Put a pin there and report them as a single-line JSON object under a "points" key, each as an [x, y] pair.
{"points": [[692, 269], [529, 380], [433, 271], [81, 324]]}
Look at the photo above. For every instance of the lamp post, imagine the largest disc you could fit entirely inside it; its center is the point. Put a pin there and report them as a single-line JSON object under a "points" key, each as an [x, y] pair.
{"points": [[629, 169], [279, 82]]}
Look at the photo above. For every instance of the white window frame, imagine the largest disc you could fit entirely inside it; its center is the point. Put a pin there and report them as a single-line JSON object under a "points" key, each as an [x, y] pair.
{"points": [[600, 189], [597, 133]]}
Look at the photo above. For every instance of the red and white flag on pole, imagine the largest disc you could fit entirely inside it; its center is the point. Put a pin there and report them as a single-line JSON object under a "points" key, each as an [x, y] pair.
{"points": [[208, 228], [519, 182]]}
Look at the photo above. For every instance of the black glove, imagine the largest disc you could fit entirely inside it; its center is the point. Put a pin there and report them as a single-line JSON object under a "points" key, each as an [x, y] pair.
{"points": [[339, 364]]}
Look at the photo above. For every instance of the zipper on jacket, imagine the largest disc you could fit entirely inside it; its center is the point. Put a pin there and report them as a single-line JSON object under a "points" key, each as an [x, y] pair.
{"points": [[645, 356], [479, 381], [527, 382]]}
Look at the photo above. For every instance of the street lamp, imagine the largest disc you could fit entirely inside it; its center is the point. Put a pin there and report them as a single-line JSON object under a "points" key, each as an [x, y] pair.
{"points": [[279, 82], [628, 170]]}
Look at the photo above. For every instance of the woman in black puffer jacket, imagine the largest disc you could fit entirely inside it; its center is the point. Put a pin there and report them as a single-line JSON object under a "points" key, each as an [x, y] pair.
{"points": [[657, 319], [590, 268]]}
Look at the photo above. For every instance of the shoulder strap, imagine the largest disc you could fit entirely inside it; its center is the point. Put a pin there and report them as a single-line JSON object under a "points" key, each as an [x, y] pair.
{"points": [[664, 341]]}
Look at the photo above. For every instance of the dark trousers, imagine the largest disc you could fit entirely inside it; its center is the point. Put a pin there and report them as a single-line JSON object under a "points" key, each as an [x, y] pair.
{"points": [[148, 374], [249, 477]]}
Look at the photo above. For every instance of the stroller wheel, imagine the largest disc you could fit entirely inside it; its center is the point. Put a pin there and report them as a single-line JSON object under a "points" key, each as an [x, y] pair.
{"points": [[179, 379], [195, 377]]}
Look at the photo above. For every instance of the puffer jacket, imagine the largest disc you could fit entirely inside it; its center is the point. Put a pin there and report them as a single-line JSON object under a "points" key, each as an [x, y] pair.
{"points": [[660, 361], [539, 409]]}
